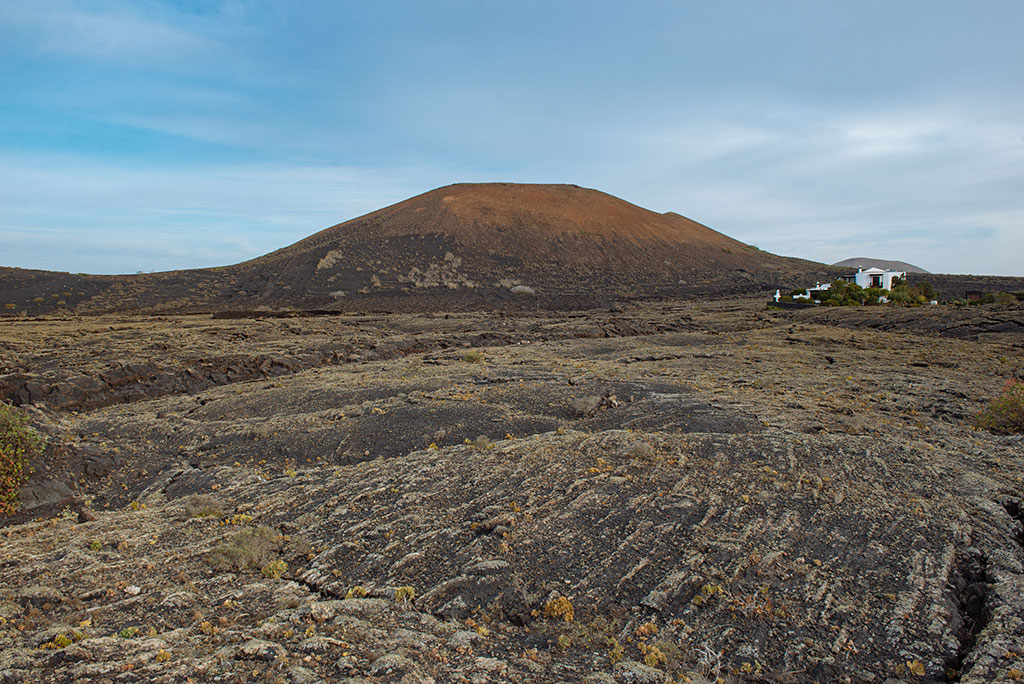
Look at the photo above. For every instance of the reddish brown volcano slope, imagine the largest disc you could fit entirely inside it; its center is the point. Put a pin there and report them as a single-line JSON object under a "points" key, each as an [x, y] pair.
{"points": [[478, 246], [468, 211], [522, 218], [486, 243]]}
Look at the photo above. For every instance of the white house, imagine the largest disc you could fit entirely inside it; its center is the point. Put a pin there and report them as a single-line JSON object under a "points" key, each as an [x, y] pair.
{"points": [[874, 277]]}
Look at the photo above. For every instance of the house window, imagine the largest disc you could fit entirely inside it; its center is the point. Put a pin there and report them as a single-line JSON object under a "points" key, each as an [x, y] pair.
{"points": [[876, 281]]}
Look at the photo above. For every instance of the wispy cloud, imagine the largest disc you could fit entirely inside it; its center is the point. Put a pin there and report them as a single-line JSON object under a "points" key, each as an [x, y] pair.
{"points": [[237, 126], [107, 31]]}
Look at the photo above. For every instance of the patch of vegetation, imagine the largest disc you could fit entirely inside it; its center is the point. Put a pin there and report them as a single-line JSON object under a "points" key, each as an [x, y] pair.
{"points": [[19, 443], [1005, 298], [250, 549], [653, 655], [473, 357], [357, 591], [274, 569], [203, 506], [902, 293], [615, 650], [842, 293], [405, 595], [559, 608], [1005, 413], [63, 640], [707, 593]]}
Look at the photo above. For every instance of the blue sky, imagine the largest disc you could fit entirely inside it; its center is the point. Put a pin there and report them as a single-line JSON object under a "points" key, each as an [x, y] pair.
{"points": [[153, 135]]}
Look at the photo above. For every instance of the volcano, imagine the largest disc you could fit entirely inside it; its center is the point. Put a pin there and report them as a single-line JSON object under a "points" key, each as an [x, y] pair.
{"points": [[464, 246]]}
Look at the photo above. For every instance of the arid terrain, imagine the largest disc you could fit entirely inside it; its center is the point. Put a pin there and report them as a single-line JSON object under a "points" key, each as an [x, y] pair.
{"points": [[651, 492], [469, 246]]}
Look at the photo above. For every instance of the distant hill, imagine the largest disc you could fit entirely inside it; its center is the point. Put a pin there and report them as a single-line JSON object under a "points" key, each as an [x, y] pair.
{"points": [[868, 262], [465, 246]]}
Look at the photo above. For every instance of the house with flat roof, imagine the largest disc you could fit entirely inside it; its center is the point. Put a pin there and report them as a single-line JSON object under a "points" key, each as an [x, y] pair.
{"points": [[874, 277]]}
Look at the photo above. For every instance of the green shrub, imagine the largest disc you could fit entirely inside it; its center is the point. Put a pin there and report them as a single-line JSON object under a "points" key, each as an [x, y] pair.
{"points": [[1005, 413], [274, 569], [1005, 298], [902, 293], [473, 357], [927, 290], [842, 293], [872, 294], [19, 443]]}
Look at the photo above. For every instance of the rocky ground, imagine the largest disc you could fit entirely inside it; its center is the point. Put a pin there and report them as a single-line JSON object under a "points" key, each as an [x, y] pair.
{"points": [[673, 491]]}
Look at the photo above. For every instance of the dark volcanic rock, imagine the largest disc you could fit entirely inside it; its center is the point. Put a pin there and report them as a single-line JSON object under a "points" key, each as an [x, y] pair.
{"points": [[729, 491], [38, 493]]}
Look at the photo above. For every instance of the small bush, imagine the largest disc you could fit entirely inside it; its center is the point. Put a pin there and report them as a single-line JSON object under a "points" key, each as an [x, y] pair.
{"points": [[1005, 413], [274, 569], [615, 651], [902, 293], [203, 506], [19, 443], [250, 549], [872, 294], [926, 289], [1005, 298], [654, 657], [473, 357], [559, 608]]}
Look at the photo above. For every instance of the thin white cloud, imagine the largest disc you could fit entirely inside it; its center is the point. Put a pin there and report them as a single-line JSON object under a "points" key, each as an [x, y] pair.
{"points": [[115, 31], [927, 185], [825, 171]]}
